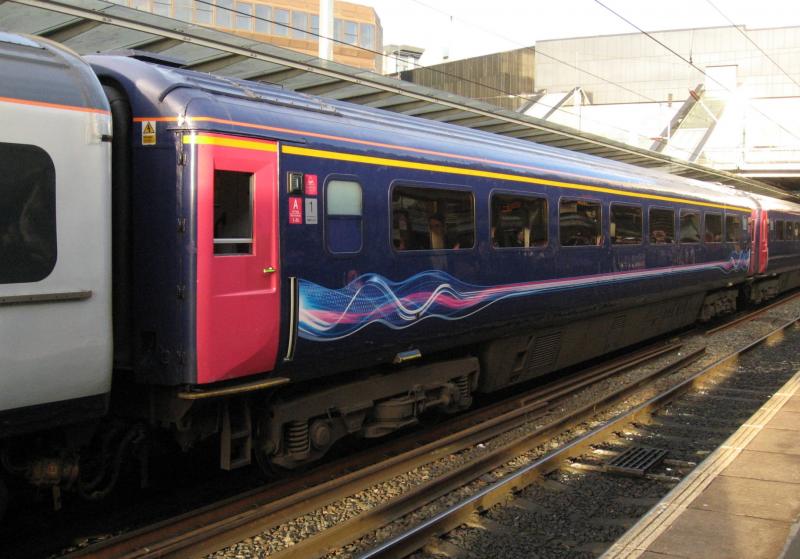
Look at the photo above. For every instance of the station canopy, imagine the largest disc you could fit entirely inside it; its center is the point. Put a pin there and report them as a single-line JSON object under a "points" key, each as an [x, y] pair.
{"points": [[91, 26]]}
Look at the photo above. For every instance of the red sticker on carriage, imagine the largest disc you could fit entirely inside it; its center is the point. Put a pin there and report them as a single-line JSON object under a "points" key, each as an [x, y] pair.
{"points": [[295, 210], [310, 185]]}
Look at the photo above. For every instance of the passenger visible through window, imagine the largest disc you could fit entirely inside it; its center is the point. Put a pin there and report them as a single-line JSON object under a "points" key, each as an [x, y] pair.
{"points": [[713, 230], [518, 221], [27, 214], [233, 212], [733, 228], [626, 224], [579, 223], [432, 219], [690, 226], [662, 226]]}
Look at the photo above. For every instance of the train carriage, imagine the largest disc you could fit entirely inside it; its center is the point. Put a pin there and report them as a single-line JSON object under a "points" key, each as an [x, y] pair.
{"points": [[288, 270], [315, 238]]}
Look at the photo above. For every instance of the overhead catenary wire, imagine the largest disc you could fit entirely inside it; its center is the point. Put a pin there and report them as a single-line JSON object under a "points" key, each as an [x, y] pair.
{"points": [[288, 26], [692, 64]]}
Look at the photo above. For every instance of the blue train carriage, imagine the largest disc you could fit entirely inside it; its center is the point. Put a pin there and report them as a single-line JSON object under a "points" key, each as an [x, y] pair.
{"points": [[55, 245], [779, 245], [282, 240]]}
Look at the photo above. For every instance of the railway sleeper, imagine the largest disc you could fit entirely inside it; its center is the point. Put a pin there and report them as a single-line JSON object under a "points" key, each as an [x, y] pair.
{"points": [[302, 428]]}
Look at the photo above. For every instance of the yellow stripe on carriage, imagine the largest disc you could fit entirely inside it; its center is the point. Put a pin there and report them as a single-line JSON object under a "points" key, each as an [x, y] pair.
{"points": [[370, 160], [204, 139]]}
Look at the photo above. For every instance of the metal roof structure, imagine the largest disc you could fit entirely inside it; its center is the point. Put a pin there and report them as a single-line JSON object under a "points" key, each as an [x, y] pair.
{"points": [[90, 26]]}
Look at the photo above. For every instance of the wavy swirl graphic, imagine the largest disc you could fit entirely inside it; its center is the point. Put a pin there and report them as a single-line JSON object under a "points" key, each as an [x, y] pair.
{"points": [[332, 314]]}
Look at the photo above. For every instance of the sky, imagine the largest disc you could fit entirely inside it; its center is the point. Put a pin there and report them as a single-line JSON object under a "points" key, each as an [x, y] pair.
{"points": [[456, 29]]}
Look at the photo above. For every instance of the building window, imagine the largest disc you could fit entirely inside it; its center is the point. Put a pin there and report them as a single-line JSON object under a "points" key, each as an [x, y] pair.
{"points": [[263, 19], [183, 10], [223, 15], [733, 228], [281, 17], [366, 35], [579, 223], [518, 221], [350, 32], [244, 11], [713, 230], [162, 7], [432, 219], [28, 246], [143, 5], [299, 25], [233, 212], [315, 27], [344, 209], [626, 224], [690, 226], [202, 13]]}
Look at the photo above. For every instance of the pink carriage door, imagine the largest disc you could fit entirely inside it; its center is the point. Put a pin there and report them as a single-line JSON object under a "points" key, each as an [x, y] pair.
{"points": [[238, 282]]}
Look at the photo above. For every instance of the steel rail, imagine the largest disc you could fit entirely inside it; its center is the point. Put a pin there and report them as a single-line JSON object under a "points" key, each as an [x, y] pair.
{"points": [[416, 537], [210, 528], [373, 519], [752, 315]]}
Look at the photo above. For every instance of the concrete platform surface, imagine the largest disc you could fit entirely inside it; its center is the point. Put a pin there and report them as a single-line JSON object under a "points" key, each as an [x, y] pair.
{"points": [[742, 502]]}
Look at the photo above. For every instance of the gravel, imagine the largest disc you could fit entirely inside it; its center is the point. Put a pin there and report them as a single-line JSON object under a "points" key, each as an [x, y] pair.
{"points": [[567, 540]]}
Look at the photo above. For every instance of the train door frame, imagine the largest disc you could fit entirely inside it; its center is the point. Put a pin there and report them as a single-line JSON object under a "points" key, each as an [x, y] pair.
{"points": [[238, 291]]}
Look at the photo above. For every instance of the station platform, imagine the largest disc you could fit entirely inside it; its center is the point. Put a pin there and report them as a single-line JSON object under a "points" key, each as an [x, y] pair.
{"points": [[741, 502]]}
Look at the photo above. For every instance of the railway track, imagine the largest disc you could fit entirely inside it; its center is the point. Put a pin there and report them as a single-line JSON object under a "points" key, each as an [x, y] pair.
{"points": [[683, 423], [211, 528], [214, 527]]}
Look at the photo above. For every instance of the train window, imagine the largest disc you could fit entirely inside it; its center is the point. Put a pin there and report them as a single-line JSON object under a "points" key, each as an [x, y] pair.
{"points": [[662, 226], [713, 230], [733, 228], [779, 230], [432, 219], [579, 223], [344, 210], [626, 224], [233, 212], [690, 226], [518, 221], [27, 214]]}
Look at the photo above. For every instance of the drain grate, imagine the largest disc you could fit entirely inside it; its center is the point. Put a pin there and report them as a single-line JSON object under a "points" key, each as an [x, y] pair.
{"points": [[636, 461]]}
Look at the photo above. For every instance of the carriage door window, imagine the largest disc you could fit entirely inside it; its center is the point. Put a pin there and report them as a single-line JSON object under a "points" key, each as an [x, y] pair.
{"points": [[343, 208], [233, 212], [27, 214]]}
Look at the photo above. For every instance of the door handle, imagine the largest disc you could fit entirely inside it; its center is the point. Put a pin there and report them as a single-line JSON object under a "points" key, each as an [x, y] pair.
{"points": [[269, 270]]}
